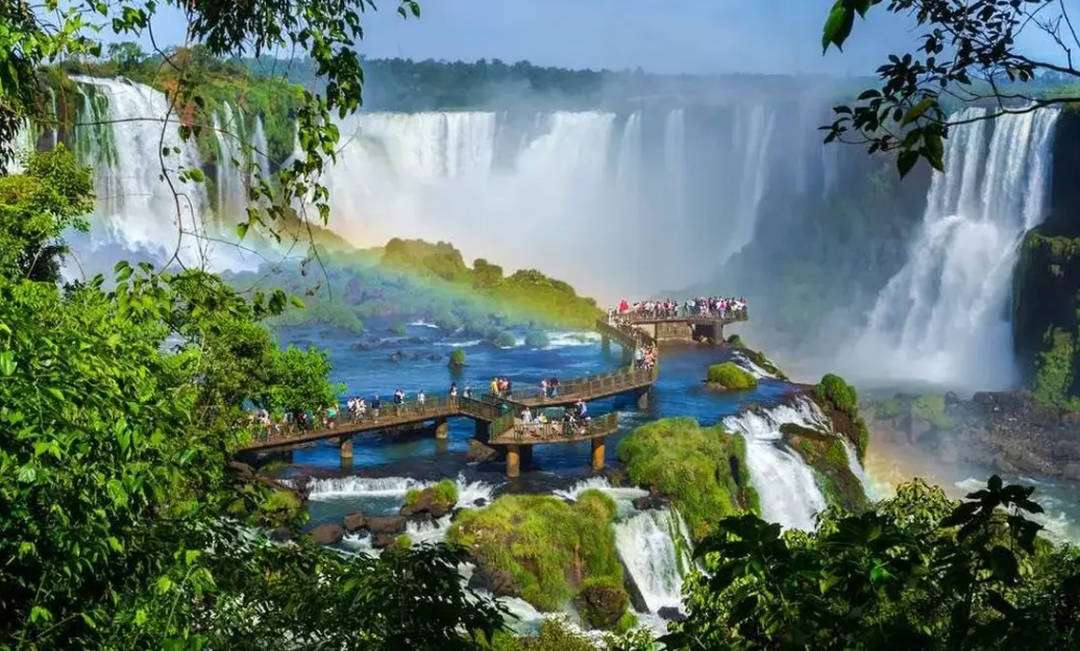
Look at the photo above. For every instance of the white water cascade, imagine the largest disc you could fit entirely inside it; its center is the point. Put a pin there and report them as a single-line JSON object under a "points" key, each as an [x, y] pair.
{"points": [[136, 208], [943, 318], [752, 133], [786, 485], [647, 545]]}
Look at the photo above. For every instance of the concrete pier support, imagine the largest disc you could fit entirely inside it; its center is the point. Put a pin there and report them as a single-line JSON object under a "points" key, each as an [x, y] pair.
{"points": [[513, 461], [442, 428], [526, 455], [605, 343], [598, 453], [346, 447], [643, 399], [483, 430]]}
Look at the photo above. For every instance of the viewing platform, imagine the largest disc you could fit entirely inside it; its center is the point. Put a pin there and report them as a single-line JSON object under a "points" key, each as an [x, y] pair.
{"points": [[497, 418]]}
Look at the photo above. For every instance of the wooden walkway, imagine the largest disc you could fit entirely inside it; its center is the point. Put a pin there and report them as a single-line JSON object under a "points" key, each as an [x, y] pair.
{"points": [[497, 418]]}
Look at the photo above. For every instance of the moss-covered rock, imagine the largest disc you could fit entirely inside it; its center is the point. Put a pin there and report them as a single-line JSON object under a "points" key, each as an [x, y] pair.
{"points": [[435, 501], [702, 470], [543, 549], [457, 358], [536, 339], [601, 601], [731, 377], [840, 402], [825, 453]]}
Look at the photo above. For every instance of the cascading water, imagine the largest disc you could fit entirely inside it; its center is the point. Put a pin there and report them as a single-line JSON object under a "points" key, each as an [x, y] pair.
{"points": [[752, 134], [122, 137], [943, 317], [786, 485], [647, 544]]}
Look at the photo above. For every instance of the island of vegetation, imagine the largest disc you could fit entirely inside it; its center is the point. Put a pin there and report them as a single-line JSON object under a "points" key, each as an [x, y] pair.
{"points": [[730, 377]]}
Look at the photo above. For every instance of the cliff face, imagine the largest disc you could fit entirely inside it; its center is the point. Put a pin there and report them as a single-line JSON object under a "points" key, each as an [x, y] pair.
{"points": [[1046, 296]]}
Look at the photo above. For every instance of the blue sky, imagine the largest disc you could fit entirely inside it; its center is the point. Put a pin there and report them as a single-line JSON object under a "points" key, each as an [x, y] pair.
{"points": [[669, 36]]}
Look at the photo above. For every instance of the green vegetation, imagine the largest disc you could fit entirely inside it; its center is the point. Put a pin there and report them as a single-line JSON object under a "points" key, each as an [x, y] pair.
{"points": [[457, 358], [124, 524], [825, 453], [536, 339], [732, 377], [1046, 312], [841, 403], [412, 279], [702, 470], [931, 408], [916, 572], [548, 552]]}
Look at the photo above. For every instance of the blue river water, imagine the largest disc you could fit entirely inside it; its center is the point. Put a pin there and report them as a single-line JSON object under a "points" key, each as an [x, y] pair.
{"points": [[419, 360]]}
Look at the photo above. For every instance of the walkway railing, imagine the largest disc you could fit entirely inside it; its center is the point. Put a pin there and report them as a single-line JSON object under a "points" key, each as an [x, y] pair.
{"points": [[727, 316], [556, 432]]}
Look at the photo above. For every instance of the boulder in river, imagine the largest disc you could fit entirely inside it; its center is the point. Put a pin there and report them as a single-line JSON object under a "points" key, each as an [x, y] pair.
{"points": [[601, 602], [383, 540], [479, 452], [671, 614], [498, 582], [431, 502], [327, 534], [354, 522], [392, 524], [651, 501]]}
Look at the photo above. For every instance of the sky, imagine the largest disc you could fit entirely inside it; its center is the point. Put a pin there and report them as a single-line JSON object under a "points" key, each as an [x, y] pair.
{"points": [[664, 36]]}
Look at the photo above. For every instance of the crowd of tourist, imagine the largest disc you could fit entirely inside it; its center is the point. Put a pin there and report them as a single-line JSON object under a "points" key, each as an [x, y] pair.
{"points": [[669, 308], [645, 356], [574, 420]]}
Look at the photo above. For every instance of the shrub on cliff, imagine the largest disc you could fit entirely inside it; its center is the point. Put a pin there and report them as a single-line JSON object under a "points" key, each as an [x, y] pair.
{"points": [[841, 403], [702, 470], [825, 453], [543, 548], [443, 494], [729, 376]]}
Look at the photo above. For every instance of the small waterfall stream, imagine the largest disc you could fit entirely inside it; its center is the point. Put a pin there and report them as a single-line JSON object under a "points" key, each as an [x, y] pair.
{"points": [[786, 485], [647, 545]]}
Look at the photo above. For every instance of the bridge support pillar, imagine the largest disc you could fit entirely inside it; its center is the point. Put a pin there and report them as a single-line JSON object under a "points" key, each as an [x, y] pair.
{"points": [[346, 447], [442, 428], [483, 430], [513, 461], [643, 400], [605, 343], [598, 453]]}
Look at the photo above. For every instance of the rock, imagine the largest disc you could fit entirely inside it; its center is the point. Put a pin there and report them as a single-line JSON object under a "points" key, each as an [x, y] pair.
{"points": [[601, 605], [479, 502], [390, 524], [434, 357], [498, 582], [479, 452], [397, 357], [383, 540], [951, 398], [671, 614], [651, 501], [327, 534], [426, 505], [280, 534], [354, 522]]}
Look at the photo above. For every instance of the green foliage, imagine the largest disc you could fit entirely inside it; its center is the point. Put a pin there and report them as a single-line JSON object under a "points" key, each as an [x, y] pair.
{"points": [[457, 357], [555, 635], [602, 602], [503, 339], [916, 571], [1055, 379], [36, 207], [444, 493], [703, 470], [731, 376], [834, 390], [542, 546], [825, 453], [931, 408], [966, 53]]}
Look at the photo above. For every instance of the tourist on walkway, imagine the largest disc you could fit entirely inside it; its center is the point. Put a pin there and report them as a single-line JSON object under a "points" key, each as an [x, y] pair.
{"points": [[453, 393], [376, 405], [421, 398], [468, 391]]}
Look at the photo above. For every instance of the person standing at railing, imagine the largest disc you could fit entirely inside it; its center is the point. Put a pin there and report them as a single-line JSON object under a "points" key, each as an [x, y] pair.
{"points": [[543, 389], [453, 393], [399, 401], [468, 391], [376, 406], [421, 399]]}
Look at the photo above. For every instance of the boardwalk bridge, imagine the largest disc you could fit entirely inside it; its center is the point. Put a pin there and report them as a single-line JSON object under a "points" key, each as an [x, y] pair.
{"points": [[498, 418]]}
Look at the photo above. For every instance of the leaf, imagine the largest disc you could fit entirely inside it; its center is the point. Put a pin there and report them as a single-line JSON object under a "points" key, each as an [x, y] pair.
{"points": [[837, 26], [7, 363], [915, 112], [906, 161], [242, 229]]}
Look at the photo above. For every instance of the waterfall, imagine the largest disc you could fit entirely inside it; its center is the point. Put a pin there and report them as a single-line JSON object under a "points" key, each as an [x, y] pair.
{"points": [[646, 544], [786, 485], [752, 134], [135, 207], [944, 316], [232, 186]]}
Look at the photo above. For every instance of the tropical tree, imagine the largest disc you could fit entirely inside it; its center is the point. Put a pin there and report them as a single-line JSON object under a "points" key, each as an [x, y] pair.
{"points": [[967, 54], [916, 571]]}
